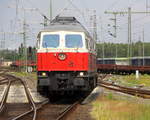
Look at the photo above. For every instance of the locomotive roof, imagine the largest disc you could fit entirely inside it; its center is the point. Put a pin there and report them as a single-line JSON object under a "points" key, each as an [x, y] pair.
{"points": [[65, 24]]}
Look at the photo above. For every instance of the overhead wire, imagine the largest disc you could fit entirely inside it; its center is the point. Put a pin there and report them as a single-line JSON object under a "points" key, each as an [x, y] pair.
{"points": [[70, 2], [133, 3], [38, 10], [61, 11], [13, 26], [136, 20]]}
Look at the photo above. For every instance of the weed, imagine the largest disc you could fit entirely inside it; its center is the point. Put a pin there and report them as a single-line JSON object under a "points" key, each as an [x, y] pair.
{"points": [[110, 109]]}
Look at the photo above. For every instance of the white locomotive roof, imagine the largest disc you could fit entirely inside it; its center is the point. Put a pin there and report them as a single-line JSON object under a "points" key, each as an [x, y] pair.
{"points": [[65, 24]]}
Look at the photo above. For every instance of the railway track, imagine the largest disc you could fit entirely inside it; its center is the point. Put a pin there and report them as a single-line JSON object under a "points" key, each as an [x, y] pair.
{"points": [[127, 90], [68, 111], [59, 111], [31, 110], [8, 81]]}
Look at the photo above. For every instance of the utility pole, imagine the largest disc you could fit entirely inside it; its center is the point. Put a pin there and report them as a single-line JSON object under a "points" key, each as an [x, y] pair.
{"points": [[91, 25], [102, 40], [129, 36], [143, 48], [51, 11], [2, 42], [24, 43], [129, 12], [95, 26], [3, 39], [147, 6], [139, 51], [2, 45], [24, 33], [115, 30], [25, 58]]}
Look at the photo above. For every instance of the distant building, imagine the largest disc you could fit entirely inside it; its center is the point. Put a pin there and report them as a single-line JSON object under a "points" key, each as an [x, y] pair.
{"points": [[6, 63]]}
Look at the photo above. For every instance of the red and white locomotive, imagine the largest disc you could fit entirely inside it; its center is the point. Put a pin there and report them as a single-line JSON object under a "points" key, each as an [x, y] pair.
{"points": [[66, 57]]}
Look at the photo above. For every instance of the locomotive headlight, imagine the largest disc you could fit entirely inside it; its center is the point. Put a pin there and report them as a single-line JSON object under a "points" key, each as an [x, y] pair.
{"points": [[81, 73], [62, 56], [43, 74]]}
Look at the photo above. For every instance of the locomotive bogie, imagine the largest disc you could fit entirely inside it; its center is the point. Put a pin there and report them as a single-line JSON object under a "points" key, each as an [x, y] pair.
{"points": [[66, 81]]}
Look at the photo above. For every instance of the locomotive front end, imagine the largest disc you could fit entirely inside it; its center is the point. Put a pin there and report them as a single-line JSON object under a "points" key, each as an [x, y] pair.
{"points": [[64, 62]]}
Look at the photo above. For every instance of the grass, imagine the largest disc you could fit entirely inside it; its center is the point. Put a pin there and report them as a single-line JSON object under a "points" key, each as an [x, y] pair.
{"points": [[110, 108], [24, 74], [130, 80]]}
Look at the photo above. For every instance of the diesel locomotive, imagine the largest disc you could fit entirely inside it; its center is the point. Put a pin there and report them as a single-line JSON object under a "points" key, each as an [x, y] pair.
{"points": [[66, 57]]}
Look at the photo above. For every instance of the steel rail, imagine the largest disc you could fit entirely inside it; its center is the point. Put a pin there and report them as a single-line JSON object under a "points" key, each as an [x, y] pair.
{"points": [[127, 91], [141, 91], [3, 72], [29, 97], [5, 95], [1, 80], [23, 114], [33, 109], [4, 98], [69, 109], [30, 111], [4, 81]]}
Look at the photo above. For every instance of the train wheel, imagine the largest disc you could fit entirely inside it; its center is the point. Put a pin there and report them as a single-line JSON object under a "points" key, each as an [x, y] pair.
{"points": [[93, 83], [96, 81]]}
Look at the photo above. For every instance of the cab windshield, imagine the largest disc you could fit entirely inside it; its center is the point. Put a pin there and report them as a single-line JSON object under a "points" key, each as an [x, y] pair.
{"points": [[73, 41], [50, 41]]}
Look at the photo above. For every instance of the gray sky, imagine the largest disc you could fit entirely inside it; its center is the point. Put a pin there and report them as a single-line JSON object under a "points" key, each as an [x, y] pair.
{"points": [[8, 18]]}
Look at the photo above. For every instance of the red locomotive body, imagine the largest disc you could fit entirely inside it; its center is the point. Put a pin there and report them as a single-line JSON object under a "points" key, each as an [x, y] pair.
{"points": [[66, 57], [73, 62]]}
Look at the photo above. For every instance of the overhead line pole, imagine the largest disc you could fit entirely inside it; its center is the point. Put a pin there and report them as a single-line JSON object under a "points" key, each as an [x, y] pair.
{"points": [[129, 12], [51, 11], [2, 46], [25, 42], [115, 34], [129, 54], [143, 48], [115, 29], [24, 33], [103, 47], [4, 37], [2, 42], [95, 26], [147, 5]]}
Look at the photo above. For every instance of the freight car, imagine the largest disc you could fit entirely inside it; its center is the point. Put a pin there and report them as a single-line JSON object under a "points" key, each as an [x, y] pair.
{"points": [[66, 58], [134, 61], [123, 66], [31, 65]]}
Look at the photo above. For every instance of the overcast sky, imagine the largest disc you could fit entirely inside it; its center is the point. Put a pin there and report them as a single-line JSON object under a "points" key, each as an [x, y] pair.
{"points": [[11, 18]]}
